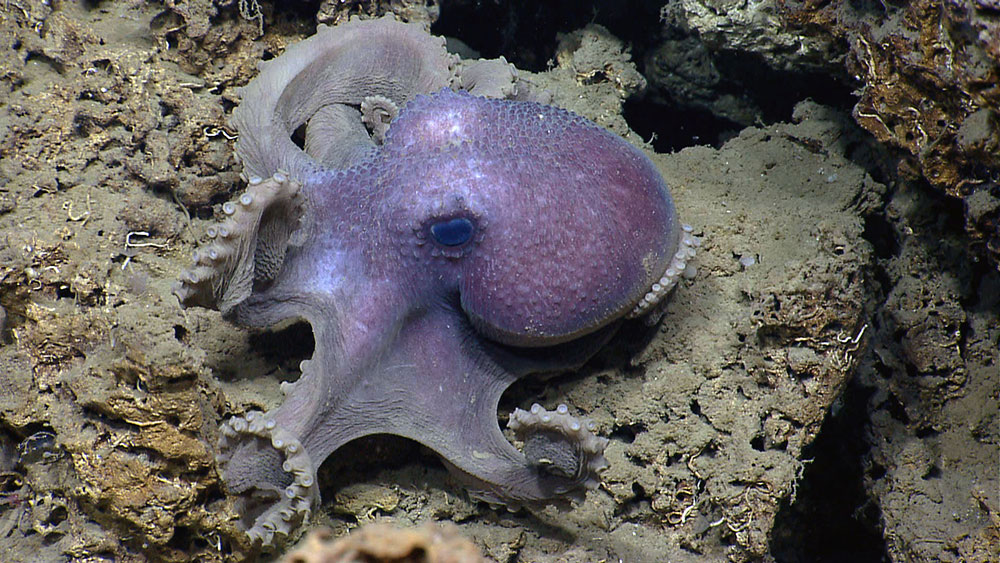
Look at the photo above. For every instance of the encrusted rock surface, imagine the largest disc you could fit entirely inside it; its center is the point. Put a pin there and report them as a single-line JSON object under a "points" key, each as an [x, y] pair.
{"points": [[926, 73]]}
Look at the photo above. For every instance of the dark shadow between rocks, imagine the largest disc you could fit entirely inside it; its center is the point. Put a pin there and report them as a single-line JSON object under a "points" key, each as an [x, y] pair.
{"points": [[832, 518], [526, 31]]}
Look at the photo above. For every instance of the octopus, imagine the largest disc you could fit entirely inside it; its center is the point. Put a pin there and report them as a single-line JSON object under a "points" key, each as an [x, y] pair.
{"points": [[444, 232]]}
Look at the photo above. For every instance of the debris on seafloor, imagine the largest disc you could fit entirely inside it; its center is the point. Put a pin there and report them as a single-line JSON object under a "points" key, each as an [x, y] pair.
{"points": [[385, 543]]}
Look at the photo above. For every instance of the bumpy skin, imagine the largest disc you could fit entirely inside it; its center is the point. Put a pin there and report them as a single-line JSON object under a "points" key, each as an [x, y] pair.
{"points": [[484, 240]]}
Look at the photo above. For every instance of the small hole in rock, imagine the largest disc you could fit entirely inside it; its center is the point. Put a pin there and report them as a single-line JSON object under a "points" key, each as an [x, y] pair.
{"points": [[627, 433], [876, 471], [638, 491], [180, 333], [896, 409]]}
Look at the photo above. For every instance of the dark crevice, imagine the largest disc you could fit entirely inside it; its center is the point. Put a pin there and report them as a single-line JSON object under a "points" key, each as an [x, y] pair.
{"points": [[286, 347], [299, 14], [880, 233], [670, 126], [832, 504], [38, 57], [776, 92], [526, 32], [627, 432], [896, 408]]}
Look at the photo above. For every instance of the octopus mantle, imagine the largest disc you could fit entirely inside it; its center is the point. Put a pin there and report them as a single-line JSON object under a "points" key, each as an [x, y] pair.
{"points": [[444, 234]]}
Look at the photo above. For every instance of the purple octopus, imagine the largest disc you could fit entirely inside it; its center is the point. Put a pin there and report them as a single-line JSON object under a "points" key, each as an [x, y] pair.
{"points": [[444, 236]]}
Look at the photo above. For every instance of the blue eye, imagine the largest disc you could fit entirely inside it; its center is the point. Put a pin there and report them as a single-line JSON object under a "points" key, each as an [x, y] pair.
{"points": [[453, 232]]}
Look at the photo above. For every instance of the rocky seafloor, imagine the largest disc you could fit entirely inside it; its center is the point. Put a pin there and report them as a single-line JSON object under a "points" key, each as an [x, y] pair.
{"points": [[826, 388]]}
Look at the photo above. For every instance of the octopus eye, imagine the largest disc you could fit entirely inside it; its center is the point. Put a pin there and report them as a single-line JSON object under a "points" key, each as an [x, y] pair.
{"points": [[452, 232]]}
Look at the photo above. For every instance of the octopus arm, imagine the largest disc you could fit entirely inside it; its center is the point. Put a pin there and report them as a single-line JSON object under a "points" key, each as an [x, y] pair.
{"points": [[340, 65], [247, 250], [438, 386]]}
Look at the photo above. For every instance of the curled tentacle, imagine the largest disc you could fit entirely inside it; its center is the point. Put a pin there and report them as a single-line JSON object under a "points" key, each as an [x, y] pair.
{"points": [[339, 65], [377, 112], [491, 78], [247, 248], [559, 444], [272, 502], [337, 138], [679, 267]]}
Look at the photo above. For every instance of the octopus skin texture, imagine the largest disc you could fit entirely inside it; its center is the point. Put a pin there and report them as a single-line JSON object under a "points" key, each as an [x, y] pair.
{"points": [[444, 234]]}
